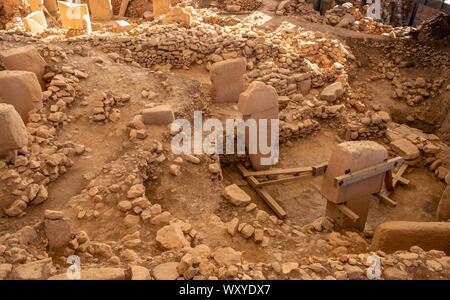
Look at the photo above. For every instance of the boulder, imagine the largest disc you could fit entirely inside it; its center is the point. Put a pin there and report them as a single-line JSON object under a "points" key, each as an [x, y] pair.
{"points": [[227, 256], [405, 148], [26, 58], [13, 133], [171, 237], [236, 195], [332, 92], [22, 90], [166, 271]]}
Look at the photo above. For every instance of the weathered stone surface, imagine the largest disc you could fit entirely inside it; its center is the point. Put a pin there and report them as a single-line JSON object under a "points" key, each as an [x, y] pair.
{"points": [[95, 274], [139, 273], [35, 22], [171, 237], [58, 233], [392, 273], [5, 270], [236, 195], [402, 235], [35, 5], [226, 256], [101, 10], [75, 15], [166, 271], [405, 148], [22, 90], [53, 214], [13, 133], [178, 15], [443, 210], [332, 92], [352, 156], [160, 7], [159, 115], [227, 78], [36, 270], [26, 58], [260, 103]]}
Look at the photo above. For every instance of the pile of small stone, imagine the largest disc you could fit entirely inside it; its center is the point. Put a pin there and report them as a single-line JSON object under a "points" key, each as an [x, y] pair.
{"points": [[106, 108]]}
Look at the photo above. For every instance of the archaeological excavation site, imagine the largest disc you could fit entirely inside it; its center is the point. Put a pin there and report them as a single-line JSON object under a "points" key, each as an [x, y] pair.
{"points": [[207, 140]]}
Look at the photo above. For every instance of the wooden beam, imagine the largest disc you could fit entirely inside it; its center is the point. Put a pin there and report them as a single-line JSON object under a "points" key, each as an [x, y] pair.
{"points": [[291, 171], [398, 176], [365, 173], [319, 169], [388, 180], [385, 199], [282, 180], [279, 211], [347, 212]]}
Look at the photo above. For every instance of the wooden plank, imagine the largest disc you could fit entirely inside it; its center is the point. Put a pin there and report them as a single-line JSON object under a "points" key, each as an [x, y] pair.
{"points": [[319, 169], [279, 211], [348, 212], [388, 180], [290, 171], [385, 199], [282, 180], [123, 7], [243, 170], [398, 176], [365, 173]]}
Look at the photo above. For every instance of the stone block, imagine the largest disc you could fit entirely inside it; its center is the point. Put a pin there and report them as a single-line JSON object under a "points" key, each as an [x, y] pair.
{"points": [[405, 148], [160, 7], [35, 22], [22, 90], [402, 235], [101, 10], [35, 5], [158, 115], [58, 233], [178, 15], [227, 78], [75, 16], [26, 58]]}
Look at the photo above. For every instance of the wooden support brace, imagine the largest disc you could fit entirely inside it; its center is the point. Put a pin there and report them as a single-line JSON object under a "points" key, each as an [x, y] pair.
{"points": [[365, 173], [388, 180], [279, 211], [282, 180], [385, 199], [398, 176], [348, 212], [291, 171]]}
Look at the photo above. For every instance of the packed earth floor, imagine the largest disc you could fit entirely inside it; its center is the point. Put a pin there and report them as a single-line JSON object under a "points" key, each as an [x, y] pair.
{"points": [[95, 176]]}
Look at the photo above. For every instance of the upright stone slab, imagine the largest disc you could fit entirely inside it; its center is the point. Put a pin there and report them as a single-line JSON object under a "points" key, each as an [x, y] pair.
{"points": [[259, 102], [25, 59], [351, 157], [13, 134], [178, 15], [35, 5], [35, 22], [101, 10], [227, 78], [51, 6], [160, 7], [22, 90], [75, 16]]}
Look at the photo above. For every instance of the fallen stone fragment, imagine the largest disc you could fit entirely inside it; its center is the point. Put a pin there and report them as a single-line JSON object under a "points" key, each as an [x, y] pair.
{"points": [[236, 195]]}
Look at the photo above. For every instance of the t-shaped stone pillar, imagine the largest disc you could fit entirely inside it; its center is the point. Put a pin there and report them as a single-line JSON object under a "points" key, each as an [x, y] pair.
{"points": [[350, 157], [259, 102]]}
